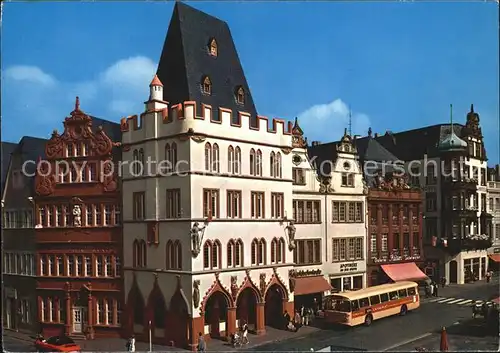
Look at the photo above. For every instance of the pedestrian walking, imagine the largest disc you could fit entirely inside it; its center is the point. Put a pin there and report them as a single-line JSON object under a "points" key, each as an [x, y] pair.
{"points": [[202, 345], [302, 314], [286, 320], [298, 321], [443, 282], [315, 306], [130, 345], [245, 334], [488, 277], [435, 289]]}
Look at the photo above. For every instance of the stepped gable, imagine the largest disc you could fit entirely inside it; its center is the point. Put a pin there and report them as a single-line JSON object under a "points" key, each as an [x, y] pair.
{"points": [[186, 60]]}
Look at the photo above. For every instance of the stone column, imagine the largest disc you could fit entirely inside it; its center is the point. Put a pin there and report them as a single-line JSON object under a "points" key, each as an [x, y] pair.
{"points": [[90, 317], [390, 240], [379, 230], [260, 325], [401, 231], [231, 321], [68, 323]]}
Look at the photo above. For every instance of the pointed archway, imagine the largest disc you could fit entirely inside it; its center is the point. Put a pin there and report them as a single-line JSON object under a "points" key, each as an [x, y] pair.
{"points": [[178, 318], [247, 299], [276, 299], [135, 308], [214, 309], [157, 311]]}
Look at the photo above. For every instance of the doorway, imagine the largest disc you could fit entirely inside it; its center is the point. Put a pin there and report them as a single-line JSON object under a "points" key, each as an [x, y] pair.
{"points": [[78, 320], [453, 271], [274, 307]]}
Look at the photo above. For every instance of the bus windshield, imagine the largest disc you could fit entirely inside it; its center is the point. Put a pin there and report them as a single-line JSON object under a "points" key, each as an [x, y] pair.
{"points": [[341, 304]]}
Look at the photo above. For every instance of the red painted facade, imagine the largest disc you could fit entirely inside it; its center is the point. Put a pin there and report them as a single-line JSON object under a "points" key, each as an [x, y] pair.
{"points": [[394, 229], [78, 232]]}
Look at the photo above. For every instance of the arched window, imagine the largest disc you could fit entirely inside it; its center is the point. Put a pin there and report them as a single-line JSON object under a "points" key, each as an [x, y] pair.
{"points": [[207, 86], [237, 158], [143, 254], [140, 165], [208, 156], [274, 250], [178, 254], [174, 255], [278, 173], [215, 158], [258, 163], [136, 162], [207, 254], [261, 254], [212, 47], [255, 249], [240, 95], [171, 156], [230, 159], [238, 254], [216, 254], [169, 256], [281, 251], [135, 253], [230, 253], [272, 165], [252, 162]]}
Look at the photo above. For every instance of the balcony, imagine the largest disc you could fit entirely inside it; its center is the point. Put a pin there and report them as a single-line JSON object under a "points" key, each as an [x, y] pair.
{"points": [[472, 242], [452, 183], [462, 212]]}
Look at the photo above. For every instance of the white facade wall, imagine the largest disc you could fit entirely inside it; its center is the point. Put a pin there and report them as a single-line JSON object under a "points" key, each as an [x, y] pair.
{"points": [[327, 230], [493, 196], [152, 136]]}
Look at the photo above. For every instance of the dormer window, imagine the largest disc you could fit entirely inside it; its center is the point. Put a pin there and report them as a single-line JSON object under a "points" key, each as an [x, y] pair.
{"points": [[212, 47], [240, 95], [206, 86]]}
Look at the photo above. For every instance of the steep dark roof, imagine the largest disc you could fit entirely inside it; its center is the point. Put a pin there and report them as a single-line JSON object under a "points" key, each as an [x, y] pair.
{"points": [[413, 144], [7, 149], [185, 61]]}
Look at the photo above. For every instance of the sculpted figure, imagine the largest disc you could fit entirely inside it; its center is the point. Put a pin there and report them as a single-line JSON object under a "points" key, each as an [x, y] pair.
{"points": [[77, 216], [291, 230], [197, 237]]}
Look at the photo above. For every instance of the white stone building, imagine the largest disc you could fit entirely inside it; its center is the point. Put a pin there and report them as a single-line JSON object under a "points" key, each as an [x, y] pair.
{"points": [[329, 212], [493, 192], [205, 244]]}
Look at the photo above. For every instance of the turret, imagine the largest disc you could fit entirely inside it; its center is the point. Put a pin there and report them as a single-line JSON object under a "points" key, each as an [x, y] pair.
{"points": [[452, 142], [156, 89]]}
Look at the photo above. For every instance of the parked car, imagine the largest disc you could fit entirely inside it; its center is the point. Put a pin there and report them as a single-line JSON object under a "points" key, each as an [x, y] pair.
{"points": [[56, 344]]}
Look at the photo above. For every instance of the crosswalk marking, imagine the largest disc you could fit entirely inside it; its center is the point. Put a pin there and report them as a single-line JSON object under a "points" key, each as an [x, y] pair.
{"points": [[455, 301], [435, 299], [446, 300], [465, 302]]}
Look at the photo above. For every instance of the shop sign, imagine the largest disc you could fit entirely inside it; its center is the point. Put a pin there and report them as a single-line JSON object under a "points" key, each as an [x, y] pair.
{"points": [[349, 267]]}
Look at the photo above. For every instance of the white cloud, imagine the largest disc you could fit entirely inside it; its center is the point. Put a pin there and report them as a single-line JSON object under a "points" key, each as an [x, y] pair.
{"points": [[118, 91], [326, 122], [32, 74]]}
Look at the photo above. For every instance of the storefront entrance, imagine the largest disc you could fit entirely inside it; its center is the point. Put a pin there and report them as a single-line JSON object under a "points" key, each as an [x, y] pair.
{"points": [[216, 314], [78, 319], [246, 308], [453, 271]]}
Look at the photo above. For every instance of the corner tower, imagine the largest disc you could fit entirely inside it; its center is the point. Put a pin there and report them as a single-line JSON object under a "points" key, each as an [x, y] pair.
{"points": [[199, 62]]}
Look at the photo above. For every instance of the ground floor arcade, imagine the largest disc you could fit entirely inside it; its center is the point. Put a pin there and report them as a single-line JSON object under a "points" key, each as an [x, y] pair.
{"points": [[219, 313]]}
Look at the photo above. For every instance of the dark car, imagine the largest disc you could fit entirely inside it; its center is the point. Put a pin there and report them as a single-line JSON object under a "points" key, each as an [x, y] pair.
{"points": [[56, 344]]}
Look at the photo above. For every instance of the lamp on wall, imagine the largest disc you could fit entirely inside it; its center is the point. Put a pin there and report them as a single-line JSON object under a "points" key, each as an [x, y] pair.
{"points": [[290, 231]]}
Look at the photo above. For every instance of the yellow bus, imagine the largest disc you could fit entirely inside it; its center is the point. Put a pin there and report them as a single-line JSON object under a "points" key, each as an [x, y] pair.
{"points": [[362, 306]]}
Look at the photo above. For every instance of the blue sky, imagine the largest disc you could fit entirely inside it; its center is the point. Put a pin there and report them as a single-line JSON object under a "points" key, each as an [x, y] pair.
{"points": [[397, 65]]}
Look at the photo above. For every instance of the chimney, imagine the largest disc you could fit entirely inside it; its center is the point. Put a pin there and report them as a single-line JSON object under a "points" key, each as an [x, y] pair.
{"points": [[316, 143], [376, 134]]}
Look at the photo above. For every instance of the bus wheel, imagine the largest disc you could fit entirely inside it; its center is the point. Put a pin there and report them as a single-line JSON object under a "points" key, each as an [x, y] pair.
{"points": [[368, 319], [404, 310]]}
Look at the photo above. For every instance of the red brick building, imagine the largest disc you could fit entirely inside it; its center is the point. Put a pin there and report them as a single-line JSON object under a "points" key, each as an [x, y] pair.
{"points": [[78, 230]]}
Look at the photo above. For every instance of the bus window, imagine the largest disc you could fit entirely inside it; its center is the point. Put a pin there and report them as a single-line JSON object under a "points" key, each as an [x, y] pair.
{"points": [[354, 305], [375, 300], [364, 302], [342, 305], [384, 297], [394, 295], [412, 291], [402, 293]]}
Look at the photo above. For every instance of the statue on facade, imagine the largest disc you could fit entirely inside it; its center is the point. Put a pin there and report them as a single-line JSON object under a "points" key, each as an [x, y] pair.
{"points": [[197, 237], [77, 216], [291, 230]]}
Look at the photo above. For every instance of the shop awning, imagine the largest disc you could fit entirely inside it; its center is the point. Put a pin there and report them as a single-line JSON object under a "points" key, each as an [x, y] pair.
{"points": [[495, 257], [408, 271], [310, 285]]}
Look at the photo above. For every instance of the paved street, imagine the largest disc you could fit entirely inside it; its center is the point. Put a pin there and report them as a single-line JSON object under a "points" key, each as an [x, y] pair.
{"points": [[418, 328]]}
